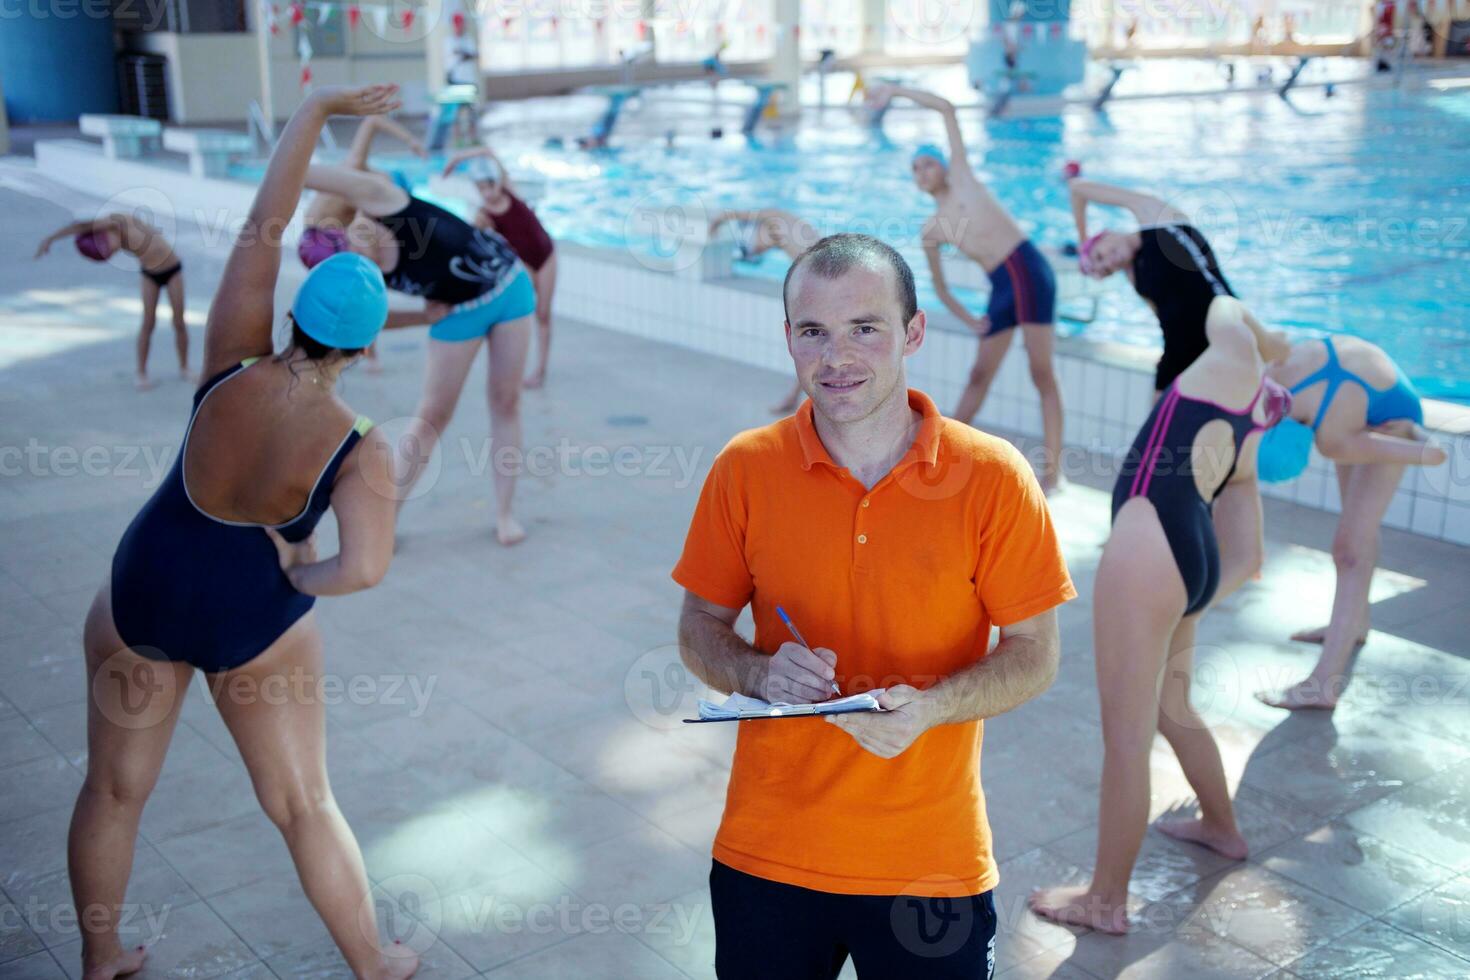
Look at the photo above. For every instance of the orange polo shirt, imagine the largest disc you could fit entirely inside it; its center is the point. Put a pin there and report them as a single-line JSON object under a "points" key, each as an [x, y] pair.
{"points": [[903, 582]]}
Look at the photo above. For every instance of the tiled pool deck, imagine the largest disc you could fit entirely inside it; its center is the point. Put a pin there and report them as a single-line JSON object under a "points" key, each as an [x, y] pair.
{"points": [[508, 761]]}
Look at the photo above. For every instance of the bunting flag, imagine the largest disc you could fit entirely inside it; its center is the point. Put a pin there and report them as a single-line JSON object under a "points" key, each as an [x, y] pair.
{"points": [[323, 14], [380, 19], [457, 21], [298, 14], [354, 14]]}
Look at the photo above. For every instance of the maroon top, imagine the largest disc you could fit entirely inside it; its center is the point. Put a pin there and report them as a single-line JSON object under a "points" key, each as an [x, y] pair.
{"points": [[522, 229]]}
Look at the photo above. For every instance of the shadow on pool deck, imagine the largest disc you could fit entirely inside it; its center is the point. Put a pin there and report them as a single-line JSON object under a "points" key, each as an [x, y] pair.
{"points": [[518, 786]]}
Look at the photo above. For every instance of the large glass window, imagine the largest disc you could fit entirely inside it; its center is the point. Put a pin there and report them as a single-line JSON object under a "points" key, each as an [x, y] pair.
{"points": [[581, 34], [834, 24], [932, 26], [1215, 23]]}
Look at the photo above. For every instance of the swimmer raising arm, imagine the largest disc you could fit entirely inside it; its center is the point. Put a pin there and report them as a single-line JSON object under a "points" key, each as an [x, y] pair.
{"points": [[1149, 210], [959, 160], [112, 222], [241, 317], [481, 151]]}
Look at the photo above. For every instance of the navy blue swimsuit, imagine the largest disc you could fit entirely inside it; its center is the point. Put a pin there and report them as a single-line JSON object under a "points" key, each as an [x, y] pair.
{"points": [[1160, 466], [187, 586]]}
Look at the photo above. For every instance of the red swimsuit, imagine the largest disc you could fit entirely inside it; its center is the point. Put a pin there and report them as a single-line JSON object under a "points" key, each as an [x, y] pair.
{"points": [[522, 229]]}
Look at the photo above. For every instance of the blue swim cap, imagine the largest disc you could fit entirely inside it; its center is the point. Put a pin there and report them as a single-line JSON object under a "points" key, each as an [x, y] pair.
{"points": [[930, 150], [1284, 451], [343, 302]]}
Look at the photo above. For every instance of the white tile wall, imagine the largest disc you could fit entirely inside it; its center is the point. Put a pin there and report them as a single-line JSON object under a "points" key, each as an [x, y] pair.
{"points": [[1457, 523], [1105, 403]]}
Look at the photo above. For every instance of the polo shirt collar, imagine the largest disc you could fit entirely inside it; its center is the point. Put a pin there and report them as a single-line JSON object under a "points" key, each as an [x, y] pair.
{"points": [[925, 448]]}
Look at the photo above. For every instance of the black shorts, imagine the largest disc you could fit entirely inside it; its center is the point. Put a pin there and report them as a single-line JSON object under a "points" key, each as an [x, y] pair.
{"points": [[773, 931]]}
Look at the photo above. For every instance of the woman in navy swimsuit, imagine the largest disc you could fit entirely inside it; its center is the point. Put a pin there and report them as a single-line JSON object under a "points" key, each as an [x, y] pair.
{"points": [[218, 571]]}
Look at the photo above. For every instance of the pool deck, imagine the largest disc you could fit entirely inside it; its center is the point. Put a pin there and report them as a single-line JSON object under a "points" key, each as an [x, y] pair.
{"points": [[510, 755]]}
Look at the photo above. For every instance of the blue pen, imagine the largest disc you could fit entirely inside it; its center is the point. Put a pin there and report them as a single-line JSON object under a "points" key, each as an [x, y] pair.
{"points": [[797, 635]]}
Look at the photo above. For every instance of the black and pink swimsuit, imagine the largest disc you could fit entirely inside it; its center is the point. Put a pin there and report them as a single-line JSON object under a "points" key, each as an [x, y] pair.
{"points": [[1160, 467]]}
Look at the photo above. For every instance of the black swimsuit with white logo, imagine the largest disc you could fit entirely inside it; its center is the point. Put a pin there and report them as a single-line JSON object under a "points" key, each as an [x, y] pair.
{"points": [[1176, 271], [442, 257]]}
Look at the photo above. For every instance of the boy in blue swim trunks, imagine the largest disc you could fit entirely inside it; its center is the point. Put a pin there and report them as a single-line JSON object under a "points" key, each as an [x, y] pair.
{"points": [[1023, 287]]}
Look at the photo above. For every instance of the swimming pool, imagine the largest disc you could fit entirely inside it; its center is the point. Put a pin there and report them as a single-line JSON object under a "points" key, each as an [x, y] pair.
{"points": [[1349, 213]]}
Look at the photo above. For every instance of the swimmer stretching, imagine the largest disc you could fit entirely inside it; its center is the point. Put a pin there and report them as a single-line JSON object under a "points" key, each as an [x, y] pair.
{"points": [[100, 239]]}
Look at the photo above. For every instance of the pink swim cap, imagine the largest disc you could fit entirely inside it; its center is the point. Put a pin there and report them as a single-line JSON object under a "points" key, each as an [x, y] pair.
{"points": [[1084, 254], [319, 244], [1071, 169], [89, 243], [1278, 401]]}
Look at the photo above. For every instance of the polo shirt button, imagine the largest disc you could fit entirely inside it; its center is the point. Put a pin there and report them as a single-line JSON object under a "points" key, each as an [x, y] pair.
{"points": [[862, 539], [866, 501]]}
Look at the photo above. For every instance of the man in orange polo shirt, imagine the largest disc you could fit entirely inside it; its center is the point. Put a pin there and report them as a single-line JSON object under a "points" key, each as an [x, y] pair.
{"points": [[894, 538]]}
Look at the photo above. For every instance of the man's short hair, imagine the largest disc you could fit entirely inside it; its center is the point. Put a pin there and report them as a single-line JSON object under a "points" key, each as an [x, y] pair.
{"points": [[833, 256]]}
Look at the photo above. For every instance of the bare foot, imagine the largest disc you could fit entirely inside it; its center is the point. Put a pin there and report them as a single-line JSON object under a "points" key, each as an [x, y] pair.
{"points": [[190, 376], [1319, 635], [1053, 484], [1309, 693], [144, 383], [399, 962], [124, 963], [534, 381], [509, 531], [1193, 830], [1076, 905]]}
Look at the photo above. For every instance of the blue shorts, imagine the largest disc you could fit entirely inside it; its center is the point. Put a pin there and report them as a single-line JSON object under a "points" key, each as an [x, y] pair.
{"points": [[1023, 289], [514, 298]]}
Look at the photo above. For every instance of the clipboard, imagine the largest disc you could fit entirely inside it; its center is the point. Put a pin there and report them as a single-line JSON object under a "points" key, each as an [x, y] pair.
{"points": [[738, 707]]}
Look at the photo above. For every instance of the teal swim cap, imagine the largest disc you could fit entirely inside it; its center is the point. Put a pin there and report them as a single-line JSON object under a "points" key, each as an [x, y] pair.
{"points": [[1284, 451], [343, 303], [930, 150]]}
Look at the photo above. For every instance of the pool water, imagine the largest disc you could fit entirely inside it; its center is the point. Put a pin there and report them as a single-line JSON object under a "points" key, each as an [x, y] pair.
{"points": [[1348, 213]]}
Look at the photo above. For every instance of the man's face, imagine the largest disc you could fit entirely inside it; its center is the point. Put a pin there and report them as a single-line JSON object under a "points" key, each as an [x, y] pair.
{"points": [[929, 173], [848, 340]]}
